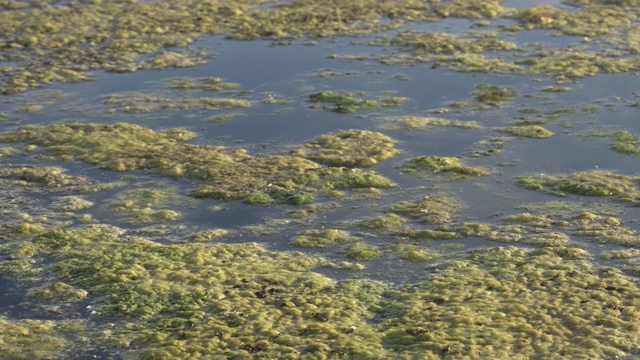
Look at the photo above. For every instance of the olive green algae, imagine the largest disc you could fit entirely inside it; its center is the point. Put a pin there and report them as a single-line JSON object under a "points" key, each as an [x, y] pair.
{"points": [[40, 339], [510, 303], [349, 102], [590, 183], [223, 173], [320, 238], [424, 123], [430, 209], [431, 165], [529, 131]]}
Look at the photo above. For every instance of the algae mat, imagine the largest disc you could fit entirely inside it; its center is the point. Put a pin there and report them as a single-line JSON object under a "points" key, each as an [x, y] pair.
{"points": [[211, 179]]}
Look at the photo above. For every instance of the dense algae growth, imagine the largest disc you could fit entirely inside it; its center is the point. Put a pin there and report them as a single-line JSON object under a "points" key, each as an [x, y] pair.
{"points": [[223, 173]]}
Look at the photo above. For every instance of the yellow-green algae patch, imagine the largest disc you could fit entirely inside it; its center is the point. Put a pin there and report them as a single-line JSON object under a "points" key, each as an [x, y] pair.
{"points": [[39, 339], [363, 251], [59, 291], [193, 300], [71, 203], [620, 254], [201, 84], [350, 102], [510, 303], [431, 209], [625, 142], [143, 206], [352, 148], [49, 179], [320, 238], [385, 221], [430, 165], [529, 131], [223, 173], [589, 183], [135, 102], [423, 123]]}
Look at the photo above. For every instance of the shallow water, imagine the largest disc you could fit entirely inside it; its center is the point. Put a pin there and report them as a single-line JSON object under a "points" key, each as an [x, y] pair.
{"points": [[265, 71]]}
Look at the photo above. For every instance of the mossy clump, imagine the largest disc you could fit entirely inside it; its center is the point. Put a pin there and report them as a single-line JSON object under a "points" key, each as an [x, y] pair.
{"points": [[52, 178], [429, 165], [143, 206], [39, 339], [71, 203], [208, 235], [258, 198], [620, 254], [349, 102], [386, 221], [350, 148], [59, 291], [363, 251], [423, 123], [137, 103], [222, 173], [625, 142], [430, 209], [321, 238], [588, 183], [427, 44], [235, 300], [446, 232], [213, 84], [493, 95], [529, 131], [480, 306]]}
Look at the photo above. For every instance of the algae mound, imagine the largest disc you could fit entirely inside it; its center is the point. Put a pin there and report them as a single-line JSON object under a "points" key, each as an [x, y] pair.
{"points": [[222, 173]]}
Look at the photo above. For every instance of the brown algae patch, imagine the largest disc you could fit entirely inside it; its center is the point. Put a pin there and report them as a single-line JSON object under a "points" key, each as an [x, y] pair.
{"points": [[223, 173], [529, 131], [350, 148], [321, 238], [589, 183], [431, 165], [509, 303], [424, 123], [351, 102]]}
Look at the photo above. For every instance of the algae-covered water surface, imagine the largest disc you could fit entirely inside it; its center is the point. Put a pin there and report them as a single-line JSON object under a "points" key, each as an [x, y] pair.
{"points": [[411, 179]]}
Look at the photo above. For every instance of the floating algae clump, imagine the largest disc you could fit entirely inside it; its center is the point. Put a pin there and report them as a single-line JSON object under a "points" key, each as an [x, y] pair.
{"points": [[320, 238], [430, 165], [529, 131], [431, 209], [59, 291], [193, 300], [362, 251], [441, 43], [386, 221], [348, 103], [588, 183], [141, 205], [625, 142], [512, 303], [423, 123], [222, 173], [349, 148], [493, 95], [38, 339]]}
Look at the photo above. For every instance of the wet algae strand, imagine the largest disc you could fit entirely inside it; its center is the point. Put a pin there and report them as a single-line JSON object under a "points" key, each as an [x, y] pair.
{"points": [[223, 173]]}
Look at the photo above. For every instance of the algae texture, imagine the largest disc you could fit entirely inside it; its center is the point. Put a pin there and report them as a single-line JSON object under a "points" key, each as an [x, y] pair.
{"points": [[222, 173], [454, 167], [349, 102]]}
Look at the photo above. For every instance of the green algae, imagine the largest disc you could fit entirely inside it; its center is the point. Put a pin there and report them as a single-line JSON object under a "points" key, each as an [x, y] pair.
{"points": [[348, 148], [413, 253], [430, 165], [589, 183], [362, 251], [136, 103], [529, 131], [223, 173], [39, 339], [206, 236], [243, 297], [446, 232], [144, 206], [385, 221], [59, 291], [431, 209], [349, 102], [71, 203], [509, 303], [620, 254], [425, 44], [50, 179], [625, 142], [321, 238], [493, 95], [201, 84], [424, 123]]}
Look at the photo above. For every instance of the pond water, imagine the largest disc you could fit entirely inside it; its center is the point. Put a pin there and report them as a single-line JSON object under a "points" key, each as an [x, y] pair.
{"points": [[120, 234]]}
